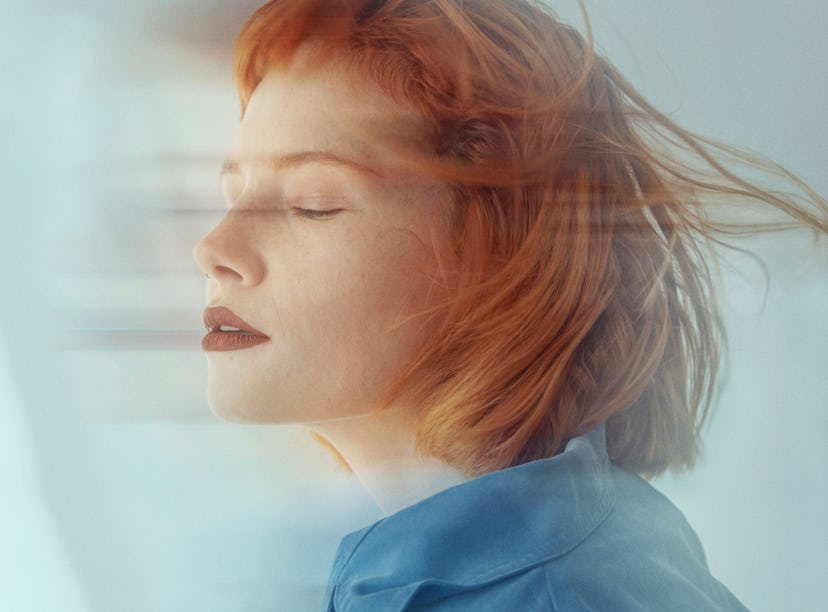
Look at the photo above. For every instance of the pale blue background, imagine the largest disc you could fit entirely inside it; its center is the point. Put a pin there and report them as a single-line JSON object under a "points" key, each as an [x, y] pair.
{"points": [[120, 490]]}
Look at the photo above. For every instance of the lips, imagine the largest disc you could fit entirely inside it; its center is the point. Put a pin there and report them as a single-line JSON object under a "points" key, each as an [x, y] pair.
{"points": [[226, 331]]}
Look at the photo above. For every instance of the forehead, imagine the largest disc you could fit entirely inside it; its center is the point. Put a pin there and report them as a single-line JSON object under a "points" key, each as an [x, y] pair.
{"points": [[326, 108]]}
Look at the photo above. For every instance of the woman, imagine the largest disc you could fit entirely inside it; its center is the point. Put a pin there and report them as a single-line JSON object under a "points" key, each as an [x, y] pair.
{"points": [[473, 260]]}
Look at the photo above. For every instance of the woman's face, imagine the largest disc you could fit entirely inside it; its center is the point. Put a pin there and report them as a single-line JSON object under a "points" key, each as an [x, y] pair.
{"points": [[327, 249]]}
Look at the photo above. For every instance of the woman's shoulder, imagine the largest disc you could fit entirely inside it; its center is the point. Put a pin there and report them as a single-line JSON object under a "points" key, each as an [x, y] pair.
{"points": [[572, 532], [643, 556]]}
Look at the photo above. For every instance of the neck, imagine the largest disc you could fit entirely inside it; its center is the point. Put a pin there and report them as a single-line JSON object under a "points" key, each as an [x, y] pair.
{"points": [[381, 450]]}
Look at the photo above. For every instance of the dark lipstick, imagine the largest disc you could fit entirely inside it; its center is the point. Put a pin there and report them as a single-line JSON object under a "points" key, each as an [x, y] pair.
{"points": [[226, 331]]}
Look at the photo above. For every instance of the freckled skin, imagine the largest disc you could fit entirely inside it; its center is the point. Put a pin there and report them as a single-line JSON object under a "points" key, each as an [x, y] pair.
{"points": [[340, 289]]}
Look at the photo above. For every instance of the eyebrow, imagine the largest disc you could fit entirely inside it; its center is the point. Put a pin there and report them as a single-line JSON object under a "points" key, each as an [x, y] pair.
{"points": [[295, 160]]}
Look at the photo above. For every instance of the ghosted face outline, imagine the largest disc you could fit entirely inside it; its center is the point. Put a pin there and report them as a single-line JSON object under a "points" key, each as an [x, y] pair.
{"points": [[327, 248]]}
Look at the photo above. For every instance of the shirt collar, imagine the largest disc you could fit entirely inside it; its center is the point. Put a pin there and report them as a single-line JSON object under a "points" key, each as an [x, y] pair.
{"points": [[487, 528]]}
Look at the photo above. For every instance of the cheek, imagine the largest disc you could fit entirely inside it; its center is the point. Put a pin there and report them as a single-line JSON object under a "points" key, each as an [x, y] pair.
{"points": [[393, 275], [365, 302]]}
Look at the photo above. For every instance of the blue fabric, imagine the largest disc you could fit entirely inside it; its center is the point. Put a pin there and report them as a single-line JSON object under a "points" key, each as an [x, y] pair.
{"points": [[572, 532]]}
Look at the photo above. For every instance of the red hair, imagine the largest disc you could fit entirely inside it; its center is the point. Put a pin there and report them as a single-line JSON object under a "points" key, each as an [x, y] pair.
{"points": [[584, 292]]}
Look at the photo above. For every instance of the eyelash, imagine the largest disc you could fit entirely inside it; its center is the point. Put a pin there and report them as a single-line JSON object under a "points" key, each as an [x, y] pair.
{"points": [[312, 213]]}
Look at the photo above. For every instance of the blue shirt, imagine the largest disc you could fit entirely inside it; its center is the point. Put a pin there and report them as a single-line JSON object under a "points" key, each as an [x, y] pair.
{"points": [[572, 532]]}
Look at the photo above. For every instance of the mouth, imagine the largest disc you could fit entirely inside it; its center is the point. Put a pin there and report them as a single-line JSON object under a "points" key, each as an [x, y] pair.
{"points": [[226, 331]]}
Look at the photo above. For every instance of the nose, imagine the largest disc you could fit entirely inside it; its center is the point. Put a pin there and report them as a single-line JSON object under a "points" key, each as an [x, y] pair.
{"points": [[227, 254]]}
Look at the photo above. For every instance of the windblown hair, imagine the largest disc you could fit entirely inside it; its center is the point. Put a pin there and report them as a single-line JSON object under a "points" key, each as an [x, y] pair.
{"points": [[585, 293]]}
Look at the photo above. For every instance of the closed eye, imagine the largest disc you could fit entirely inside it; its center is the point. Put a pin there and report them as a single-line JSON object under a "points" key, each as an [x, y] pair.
{"points": [[313, 213]]}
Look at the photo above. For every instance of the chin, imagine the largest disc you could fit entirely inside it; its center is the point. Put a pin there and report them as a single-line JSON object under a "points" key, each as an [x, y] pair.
{"points": [[230, 403], [234, 412], [233, 404]]}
